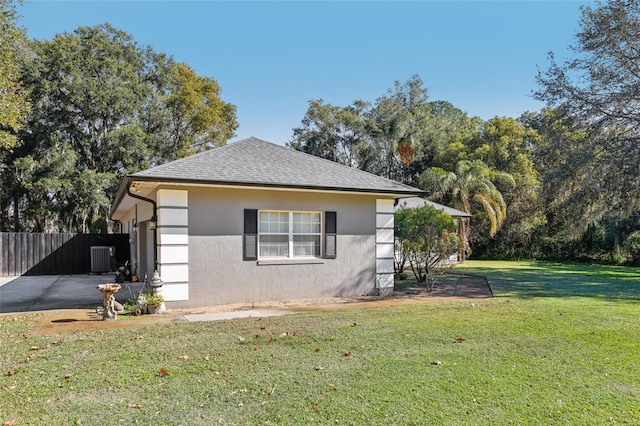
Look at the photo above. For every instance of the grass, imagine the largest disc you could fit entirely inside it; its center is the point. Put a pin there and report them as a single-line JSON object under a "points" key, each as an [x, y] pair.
{"points": [[558, 345], [544, 279]]}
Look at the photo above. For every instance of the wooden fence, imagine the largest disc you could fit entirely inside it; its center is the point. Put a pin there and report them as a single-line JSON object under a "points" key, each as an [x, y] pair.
{"points": [[55, 254]]}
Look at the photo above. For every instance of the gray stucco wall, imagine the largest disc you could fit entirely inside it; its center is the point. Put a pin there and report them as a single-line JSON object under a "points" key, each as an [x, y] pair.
{"points": [[218, 274]]}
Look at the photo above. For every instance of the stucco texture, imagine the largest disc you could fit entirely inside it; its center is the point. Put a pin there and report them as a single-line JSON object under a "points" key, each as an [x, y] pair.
{"points": [[219, 275]]}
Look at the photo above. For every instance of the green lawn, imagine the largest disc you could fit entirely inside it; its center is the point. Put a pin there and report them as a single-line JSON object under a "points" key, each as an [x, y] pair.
{"points": [[559, 344]]}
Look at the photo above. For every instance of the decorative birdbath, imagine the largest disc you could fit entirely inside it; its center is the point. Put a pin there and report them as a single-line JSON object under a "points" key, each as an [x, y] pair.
{"points": [[108, 305]]}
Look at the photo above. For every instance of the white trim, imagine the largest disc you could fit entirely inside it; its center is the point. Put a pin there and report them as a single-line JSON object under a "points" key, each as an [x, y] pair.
{"points": [[175, 292], [294, 261], [384, 235], [173, 242], [174, 273], [384, 266], [384, 206], [172, 217], [384, 280], [149, 186], [384, 243], [173, 235], [384, 220], [385, 251], [172, 198], [170, 254], [290, 235]]}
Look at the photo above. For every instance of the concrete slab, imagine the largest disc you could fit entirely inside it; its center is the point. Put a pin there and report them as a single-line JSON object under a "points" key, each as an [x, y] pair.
{"points": [[49, 292], [218, 316], [6, 280]]}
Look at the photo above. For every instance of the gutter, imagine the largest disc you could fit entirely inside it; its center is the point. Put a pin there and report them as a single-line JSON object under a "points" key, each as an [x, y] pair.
{"points": [[398, 192], [154, 218]]}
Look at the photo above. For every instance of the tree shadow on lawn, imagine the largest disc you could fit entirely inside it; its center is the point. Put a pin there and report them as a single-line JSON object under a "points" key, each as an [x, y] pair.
{"points": [[546, 279]]}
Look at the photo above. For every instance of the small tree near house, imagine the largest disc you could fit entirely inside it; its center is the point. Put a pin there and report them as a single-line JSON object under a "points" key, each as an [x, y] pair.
{"points": [[426, 237]]}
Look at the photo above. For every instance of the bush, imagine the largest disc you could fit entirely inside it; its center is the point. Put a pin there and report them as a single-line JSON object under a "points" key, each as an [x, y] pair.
{"points": [[427, 238]]}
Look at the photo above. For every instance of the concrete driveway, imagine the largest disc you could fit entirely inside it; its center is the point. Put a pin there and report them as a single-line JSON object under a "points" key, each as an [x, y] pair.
{"points": [[48, 292]]}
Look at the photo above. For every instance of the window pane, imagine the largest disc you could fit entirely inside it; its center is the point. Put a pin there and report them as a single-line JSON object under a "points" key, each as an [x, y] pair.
{"points": [[263, 222], [306, 245], [306, 223], [274, 246], [274, 222]]}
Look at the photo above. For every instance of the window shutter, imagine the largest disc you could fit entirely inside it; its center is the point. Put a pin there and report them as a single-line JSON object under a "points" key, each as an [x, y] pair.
{"points": [[330, 235], [250, 238]]}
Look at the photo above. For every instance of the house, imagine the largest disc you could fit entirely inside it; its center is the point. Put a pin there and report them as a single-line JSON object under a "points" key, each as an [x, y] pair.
{"points": [[253, 221], [415, 202]]}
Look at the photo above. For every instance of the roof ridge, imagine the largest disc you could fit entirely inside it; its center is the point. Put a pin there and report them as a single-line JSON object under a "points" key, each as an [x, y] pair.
{"points": [[198, 154], [334, 163], [254, 160]]}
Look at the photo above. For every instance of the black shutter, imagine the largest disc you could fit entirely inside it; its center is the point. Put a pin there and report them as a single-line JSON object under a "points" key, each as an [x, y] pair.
{"points": [[250, 238], [330, 235]]}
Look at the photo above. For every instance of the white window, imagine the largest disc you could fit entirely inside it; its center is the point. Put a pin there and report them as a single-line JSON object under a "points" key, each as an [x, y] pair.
{"points": [[289, 234]]}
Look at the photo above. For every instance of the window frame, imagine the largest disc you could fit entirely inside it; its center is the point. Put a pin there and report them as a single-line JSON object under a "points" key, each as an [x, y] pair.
{"points": [[290, 235]]}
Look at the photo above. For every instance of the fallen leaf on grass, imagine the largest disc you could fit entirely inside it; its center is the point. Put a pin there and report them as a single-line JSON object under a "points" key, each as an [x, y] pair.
{"points": [[317, 350], [263, 328], [240, 339], [163, 372], [460, 339], [346, 354], [135, 406], [34, 348], [184, 357], [207, 358]]}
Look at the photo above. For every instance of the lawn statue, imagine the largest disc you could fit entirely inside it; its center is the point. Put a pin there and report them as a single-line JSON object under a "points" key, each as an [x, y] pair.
{"points": [[110, 307]]}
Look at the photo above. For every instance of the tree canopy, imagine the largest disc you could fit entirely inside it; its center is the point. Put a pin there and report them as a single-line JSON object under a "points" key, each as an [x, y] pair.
{"points": [[598, 87], [13, 102], [102, 107]]}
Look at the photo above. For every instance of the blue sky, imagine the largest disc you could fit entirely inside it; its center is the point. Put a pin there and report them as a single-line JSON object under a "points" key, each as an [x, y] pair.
{"points": [[271, 58]]}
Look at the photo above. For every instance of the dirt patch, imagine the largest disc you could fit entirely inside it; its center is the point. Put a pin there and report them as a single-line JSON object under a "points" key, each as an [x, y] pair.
{"points": [[75, 320]]}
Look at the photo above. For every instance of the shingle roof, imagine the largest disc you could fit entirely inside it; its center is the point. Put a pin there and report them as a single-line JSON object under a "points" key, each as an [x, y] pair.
{"points": [[415, 202], [255, 162]]}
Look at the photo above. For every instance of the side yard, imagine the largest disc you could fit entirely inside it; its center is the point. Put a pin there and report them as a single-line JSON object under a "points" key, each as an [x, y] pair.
{"points": [[557, 345]]}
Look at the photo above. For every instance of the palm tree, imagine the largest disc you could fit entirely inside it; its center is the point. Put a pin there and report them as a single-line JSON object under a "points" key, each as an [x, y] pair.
{"points": [[472, 181]]}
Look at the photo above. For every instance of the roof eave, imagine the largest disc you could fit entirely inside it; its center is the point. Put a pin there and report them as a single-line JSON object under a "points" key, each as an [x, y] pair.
{"points": [[401, 193], [122, 191]]}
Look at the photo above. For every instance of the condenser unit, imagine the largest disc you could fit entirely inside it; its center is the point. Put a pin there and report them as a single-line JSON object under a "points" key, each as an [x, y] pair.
{"points": [[101, 258]]}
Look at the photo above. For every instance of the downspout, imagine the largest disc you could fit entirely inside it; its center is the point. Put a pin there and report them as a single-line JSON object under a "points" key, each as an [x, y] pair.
{"points": [[154, 218]]}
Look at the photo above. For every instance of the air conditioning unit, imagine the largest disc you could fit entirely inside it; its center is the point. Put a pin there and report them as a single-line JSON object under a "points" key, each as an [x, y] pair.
{"points": [[101, 258]]}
